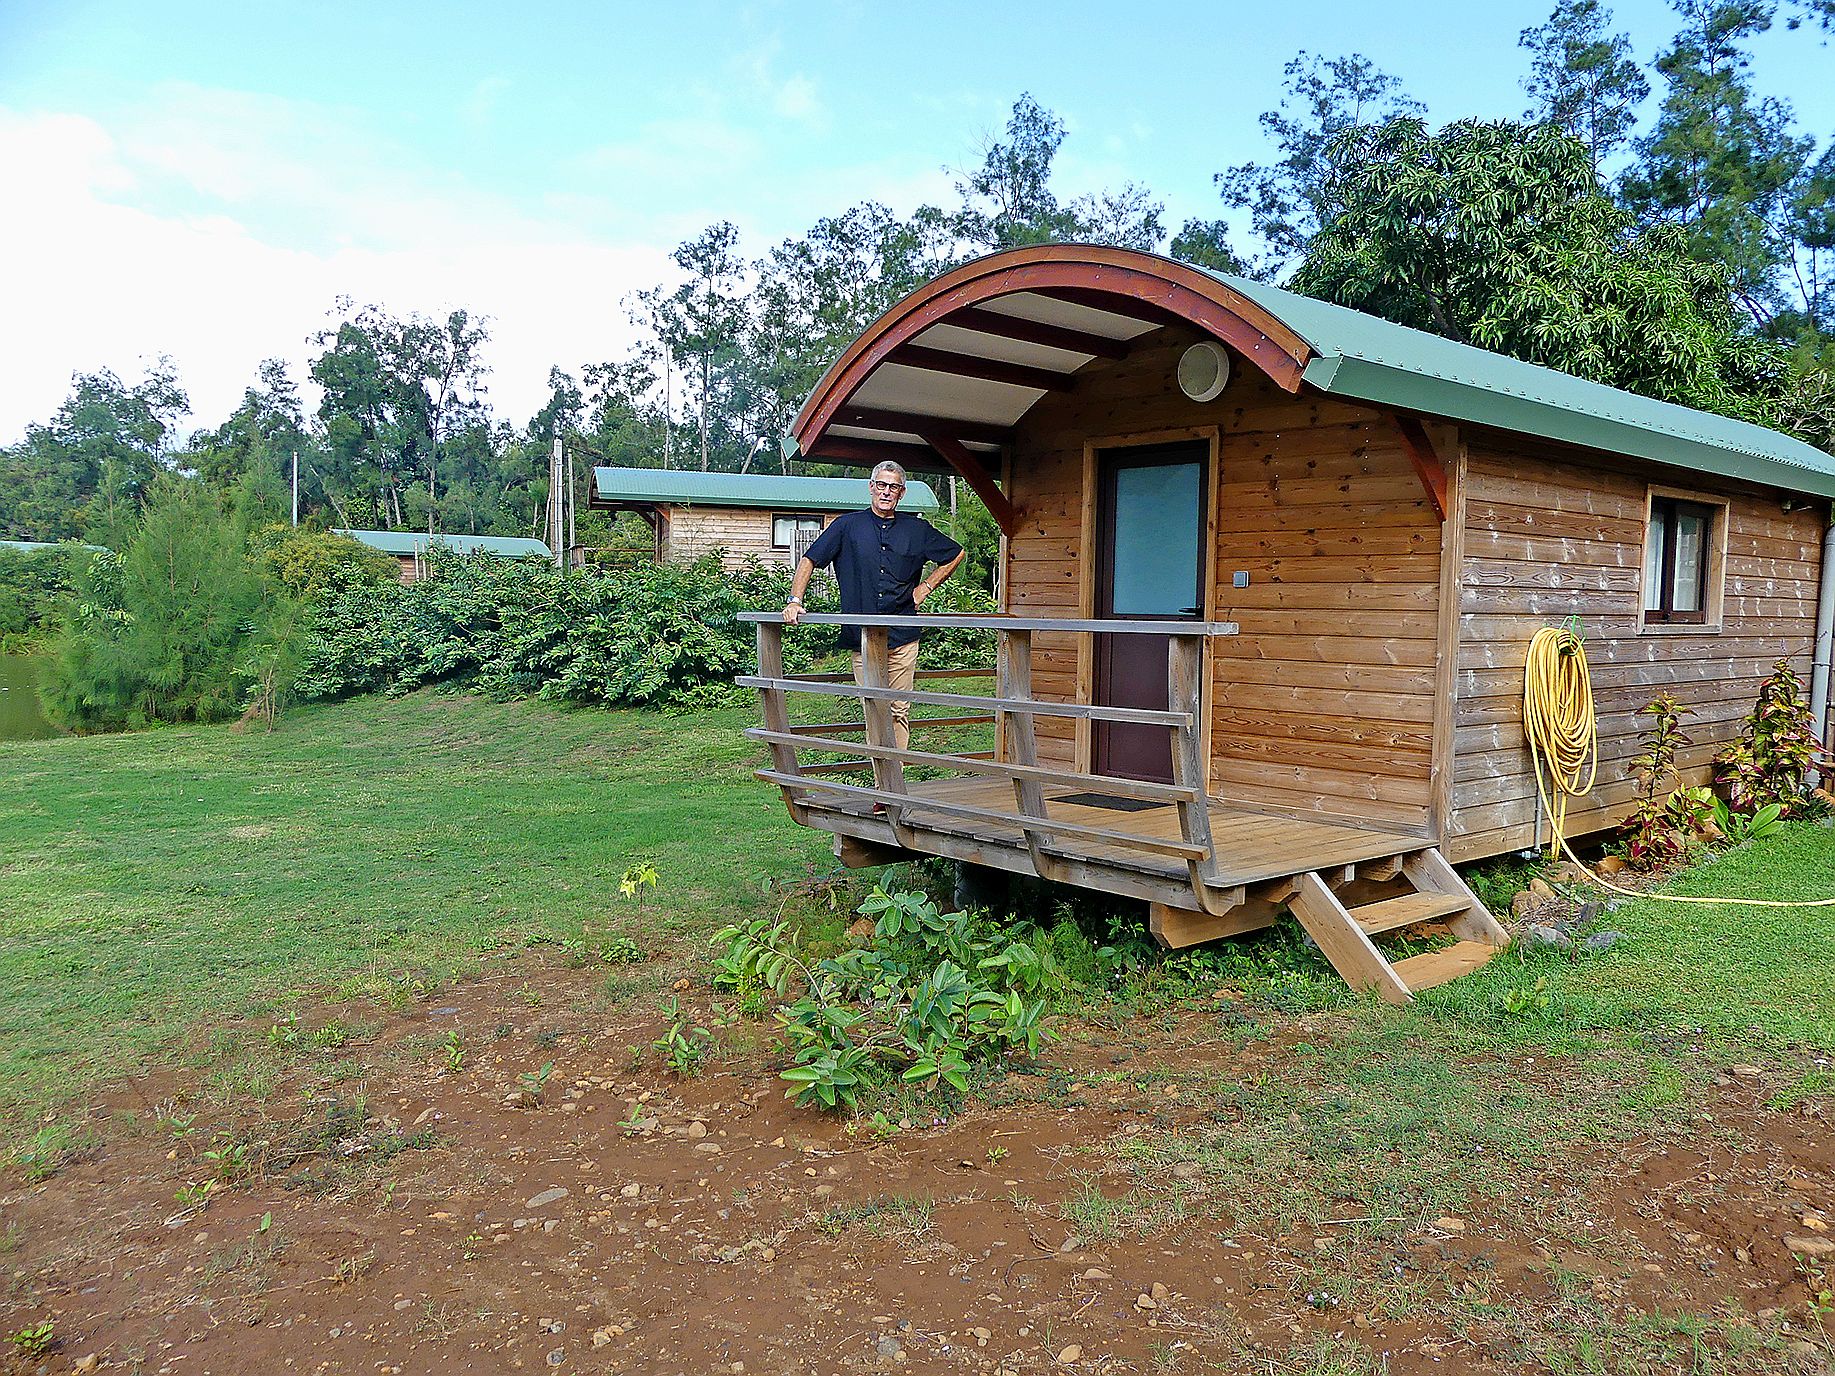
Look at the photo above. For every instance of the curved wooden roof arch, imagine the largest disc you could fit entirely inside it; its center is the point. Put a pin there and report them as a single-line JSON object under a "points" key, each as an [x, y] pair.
{"points": [[1125, 286]]}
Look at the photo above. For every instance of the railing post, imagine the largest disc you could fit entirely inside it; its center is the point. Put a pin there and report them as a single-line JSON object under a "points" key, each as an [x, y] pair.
{"points": [[776, 716], [1013, 681], [876, 672], [1185, 693]]}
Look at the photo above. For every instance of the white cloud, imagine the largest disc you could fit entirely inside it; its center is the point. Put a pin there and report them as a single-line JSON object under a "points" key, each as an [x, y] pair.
{"points": [[107, 274]]}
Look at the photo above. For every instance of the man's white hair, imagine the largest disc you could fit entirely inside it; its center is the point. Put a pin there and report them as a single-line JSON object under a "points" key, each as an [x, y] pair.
{"points": [[888, 466]]}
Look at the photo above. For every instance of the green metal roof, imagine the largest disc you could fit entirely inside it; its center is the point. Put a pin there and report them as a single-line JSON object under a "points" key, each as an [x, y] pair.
{"points": [[1371, 359], [29, 545], [414, 542], [691, 487]]}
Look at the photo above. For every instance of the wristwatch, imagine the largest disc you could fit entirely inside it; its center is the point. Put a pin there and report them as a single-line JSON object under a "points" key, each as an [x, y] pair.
{"points": [[793, 602]]}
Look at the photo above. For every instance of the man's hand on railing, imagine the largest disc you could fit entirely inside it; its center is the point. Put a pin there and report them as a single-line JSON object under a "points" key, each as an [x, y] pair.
{"points": [[793, 613]]}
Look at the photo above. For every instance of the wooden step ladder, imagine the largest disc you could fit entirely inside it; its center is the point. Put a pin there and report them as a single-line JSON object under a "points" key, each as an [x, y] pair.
{"points": [[1345, 933]]}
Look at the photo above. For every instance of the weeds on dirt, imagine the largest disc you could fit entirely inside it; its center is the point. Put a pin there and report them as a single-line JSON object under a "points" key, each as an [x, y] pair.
{"points": [[905, 1218], [34, 1340], [48, 1150], [534, 1083], [684, 1044], [936, 997]]}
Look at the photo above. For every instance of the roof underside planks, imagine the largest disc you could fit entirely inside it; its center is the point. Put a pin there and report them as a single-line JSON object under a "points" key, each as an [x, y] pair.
{"points": [[1012, 345]]}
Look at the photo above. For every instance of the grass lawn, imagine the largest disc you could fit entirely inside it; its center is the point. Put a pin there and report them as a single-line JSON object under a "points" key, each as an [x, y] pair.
{"points": [[154, 879]]}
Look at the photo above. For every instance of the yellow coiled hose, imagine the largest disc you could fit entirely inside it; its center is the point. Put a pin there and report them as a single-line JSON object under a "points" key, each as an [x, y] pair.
{"points": [[1563, 731]]}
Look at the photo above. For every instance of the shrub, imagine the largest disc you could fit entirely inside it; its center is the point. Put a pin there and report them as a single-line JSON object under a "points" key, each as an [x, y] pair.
{"points": [[643, 635], [36, 588], [1770, 762], [1655, 833]]}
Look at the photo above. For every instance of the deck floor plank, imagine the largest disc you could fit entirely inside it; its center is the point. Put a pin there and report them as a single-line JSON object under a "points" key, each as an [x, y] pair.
{"points": [[1251, 846]]}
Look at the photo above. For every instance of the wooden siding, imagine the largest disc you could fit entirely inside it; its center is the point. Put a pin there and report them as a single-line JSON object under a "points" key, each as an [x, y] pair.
{"points": [[1324, 703], [1550, 533], [740, 532]]}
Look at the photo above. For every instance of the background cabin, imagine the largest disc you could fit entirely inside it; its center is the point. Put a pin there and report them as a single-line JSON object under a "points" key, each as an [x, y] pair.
{"points": [[742, 516], [1346, 532], [411, 549]]}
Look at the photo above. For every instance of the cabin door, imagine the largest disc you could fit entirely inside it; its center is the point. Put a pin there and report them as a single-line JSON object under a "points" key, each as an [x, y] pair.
{"points": [[1150, 566]]}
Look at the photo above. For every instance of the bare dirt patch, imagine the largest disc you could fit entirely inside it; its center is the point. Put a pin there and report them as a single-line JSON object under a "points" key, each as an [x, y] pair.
{"points": [[389, 1212]]}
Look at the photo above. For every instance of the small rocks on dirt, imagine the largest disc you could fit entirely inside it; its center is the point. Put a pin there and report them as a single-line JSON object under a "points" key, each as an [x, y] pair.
{"points": [[1809, 1246], [1450, 1225], [1603, 941], [1070, 1355], [695, 1130], [631, 1191], [556, 1357], [889, 1347], [552, 1195]]}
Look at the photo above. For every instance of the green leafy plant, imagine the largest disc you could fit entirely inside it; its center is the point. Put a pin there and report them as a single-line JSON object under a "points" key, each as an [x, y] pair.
{"points": [[927, 1002], [230, 1160], [285, 1033], [34, 1340], [1777, 747], [453, 1049], [534, 1083], [1525, 1001], [621, 950], [192, 1196], [684, 1044], [637, 878], [1653, 836], [1738, 828]]}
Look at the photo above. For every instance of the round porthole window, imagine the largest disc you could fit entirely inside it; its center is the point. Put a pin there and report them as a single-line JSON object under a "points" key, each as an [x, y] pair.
{"points": [[1204, 371]]}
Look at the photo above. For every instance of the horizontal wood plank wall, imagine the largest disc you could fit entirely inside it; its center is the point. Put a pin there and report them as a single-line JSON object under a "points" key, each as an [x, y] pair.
{"points": [[741, 532], [1324, 703], [1551, 534]]}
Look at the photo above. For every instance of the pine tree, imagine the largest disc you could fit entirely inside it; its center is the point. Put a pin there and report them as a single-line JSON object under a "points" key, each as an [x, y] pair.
{"points": [[1583, 79]]}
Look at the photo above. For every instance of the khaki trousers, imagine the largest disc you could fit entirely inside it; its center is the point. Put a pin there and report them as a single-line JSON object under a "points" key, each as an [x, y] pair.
{"points": [[902, 673]]}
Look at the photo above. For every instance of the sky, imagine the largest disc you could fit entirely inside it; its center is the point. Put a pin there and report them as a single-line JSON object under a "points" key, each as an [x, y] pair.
{"points": [[206, 180]]}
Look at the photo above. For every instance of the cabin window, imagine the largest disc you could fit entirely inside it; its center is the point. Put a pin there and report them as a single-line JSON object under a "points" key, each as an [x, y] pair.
{"points": [[788, 532], [1681, 561]]}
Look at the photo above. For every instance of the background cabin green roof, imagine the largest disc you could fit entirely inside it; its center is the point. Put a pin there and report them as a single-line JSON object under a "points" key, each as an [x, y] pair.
{"points": [[29, 545], [691, 487], [1371, 359], [416, 542]]}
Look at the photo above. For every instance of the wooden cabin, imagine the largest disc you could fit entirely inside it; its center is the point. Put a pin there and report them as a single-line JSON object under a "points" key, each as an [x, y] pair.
{"points": [[411, 549], [742, 517], [1270, 571]]}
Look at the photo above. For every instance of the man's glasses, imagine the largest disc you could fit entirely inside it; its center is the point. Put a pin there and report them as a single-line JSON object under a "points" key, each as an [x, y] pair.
{"points": [[879, 486]]}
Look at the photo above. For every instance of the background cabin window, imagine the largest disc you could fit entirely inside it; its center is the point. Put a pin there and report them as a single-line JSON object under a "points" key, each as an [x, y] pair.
{"points": [[786, 529], [1676, 562]]}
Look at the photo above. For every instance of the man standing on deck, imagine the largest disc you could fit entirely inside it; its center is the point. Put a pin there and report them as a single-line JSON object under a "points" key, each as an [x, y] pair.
{"points": [[878, 556]]}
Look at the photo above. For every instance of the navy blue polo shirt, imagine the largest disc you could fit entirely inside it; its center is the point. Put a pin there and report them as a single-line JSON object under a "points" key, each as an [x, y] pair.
{"points": [[878, 561]]}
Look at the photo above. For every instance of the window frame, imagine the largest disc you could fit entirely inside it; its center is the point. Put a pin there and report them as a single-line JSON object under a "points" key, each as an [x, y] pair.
{"points": [[798, 517], [1662, 509]]}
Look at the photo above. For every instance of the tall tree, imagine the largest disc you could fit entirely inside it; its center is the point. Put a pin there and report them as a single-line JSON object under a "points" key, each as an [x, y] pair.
{"points": [[1499, 235], [1583, 78], [700, 320], [265, 430], [1721, 162], [1287, 199], [87, 470]]}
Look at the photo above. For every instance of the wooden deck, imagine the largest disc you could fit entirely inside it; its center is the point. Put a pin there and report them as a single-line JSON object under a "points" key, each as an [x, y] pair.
{"points": [[1250, 847], [1206, 867]]}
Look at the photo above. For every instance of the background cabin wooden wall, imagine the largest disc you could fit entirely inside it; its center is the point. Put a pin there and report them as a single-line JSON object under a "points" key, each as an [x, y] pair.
{"points": [[1552, 533], [742, 532], [1324, 703]]}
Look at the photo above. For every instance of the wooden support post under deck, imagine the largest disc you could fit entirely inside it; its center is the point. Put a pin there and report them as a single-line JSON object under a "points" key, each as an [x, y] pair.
{"points": [[876, 671], [776, 716], [1013, 682]]}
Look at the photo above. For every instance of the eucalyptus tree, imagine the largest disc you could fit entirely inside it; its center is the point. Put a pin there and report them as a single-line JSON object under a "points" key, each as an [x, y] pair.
{"points": [[1288, 199], [1722, 162], [1583, 78]]}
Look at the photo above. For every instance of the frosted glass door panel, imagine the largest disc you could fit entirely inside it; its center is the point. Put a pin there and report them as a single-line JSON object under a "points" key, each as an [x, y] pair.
{"points": [[1157, 529]]}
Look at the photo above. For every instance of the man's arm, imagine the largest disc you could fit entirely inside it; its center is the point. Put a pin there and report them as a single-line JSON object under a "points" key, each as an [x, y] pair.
{"points": [[793, 609], [921, 593]]}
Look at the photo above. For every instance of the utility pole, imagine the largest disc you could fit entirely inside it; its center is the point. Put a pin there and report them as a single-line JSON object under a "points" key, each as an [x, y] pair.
{"points": [[296, 489], [571, 540], [556, 526]]}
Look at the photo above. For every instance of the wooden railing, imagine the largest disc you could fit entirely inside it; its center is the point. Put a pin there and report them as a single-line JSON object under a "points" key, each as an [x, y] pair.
{"points": [[1014, 708]]}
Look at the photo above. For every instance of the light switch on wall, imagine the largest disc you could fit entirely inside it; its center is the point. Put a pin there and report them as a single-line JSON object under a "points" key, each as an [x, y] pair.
{"points": [[1240, 578]]}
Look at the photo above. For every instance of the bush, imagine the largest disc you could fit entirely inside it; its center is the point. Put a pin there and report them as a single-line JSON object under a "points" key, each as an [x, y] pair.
{"points": [[36, 587], [638, 636]]}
